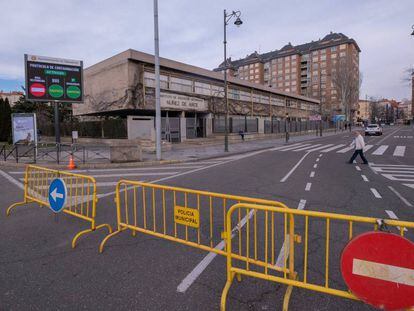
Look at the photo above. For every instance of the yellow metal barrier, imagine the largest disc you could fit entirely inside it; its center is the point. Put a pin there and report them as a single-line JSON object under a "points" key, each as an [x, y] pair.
{"points": [[81, 195], [278, 230], [191, 217]]}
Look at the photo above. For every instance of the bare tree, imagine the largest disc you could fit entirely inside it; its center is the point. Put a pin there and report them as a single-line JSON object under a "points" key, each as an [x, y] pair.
{"points": [[347, 80]]}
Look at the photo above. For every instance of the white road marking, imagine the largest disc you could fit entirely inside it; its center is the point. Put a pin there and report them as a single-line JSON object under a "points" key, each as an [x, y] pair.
{"points": [[318, 148], [400, 196], [392, 215], [321, 155], [364, 178], [383, 272], [134, 174], [358, 168], [333, 148], [317, 160], [301, 204], [291, 148], [312, 174], [129, 169], [315, 165], [195, 273], [399, 151], [308, 147], [376, 193], [389, 135], [367, 147], [397, 177], [345, 150], [12, 180], [409, 185], [380, 150], [294, 168], [282, 147], [308, 186]]}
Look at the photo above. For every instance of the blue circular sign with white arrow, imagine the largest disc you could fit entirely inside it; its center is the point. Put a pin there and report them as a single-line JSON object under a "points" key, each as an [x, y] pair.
{"points": [[57, 195]]}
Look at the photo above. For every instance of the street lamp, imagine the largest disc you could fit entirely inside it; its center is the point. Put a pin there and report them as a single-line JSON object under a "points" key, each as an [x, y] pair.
{"points": [[237, 22], [287, 128], [412, 27]]}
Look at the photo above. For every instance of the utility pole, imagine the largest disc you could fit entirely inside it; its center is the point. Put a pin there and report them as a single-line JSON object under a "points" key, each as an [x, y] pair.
{"points": [[157, 84]]}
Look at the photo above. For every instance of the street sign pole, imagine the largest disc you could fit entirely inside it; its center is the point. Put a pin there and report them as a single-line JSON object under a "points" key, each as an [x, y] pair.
{"points": [[157, 84], [57, 123]]}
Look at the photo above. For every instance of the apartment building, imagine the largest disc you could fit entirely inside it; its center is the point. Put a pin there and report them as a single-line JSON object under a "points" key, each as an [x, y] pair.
{"points": [[310, 69]]}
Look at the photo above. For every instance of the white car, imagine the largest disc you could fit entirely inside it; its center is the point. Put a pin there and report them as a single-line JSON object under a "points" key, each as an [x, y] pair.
{"points": [[373, 129]]}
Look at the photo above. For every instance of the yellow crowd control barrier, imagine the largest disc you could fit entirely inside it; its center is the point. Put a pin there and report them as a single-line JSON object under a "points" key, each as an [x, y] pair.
{"points": [[81, 195], [290, 238], [191, 217]]}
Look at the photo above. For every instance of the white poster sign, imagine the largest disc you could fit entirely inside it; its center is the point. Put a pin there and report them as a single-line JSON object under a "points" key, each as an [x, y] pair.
{"points": [[182, 102], [24, 128]]}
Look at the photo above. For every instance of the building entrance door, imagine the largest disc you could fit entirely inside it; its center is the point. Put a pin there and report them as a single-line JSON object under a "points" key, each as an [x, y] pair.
{"points": [[170, 129], [195, 127]]}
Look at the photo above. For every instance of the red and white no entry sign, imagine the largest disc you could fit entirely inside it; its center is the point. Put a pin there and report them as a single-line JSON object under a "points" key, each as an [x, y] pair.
{"points": [[378, 268], [37, 89]]}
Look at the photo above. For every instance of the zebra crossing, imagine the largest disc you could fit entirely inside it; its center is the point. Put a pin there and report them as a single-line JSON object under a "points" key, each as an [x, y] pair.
{"points": [[375, 150], [401, 173], [404, 136]]}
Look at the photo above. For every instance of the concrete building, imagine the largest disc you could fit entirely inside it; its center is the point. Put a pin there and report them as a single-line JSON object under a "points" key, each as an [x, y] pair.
{"points": [[191, 98], [12, 96], [312, 69], [363, 113]]}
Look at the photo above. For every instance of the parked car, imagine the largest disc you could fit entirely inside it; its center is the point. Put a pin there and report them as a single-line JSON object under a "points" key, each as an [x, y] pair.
{"points": [[373, 129]]}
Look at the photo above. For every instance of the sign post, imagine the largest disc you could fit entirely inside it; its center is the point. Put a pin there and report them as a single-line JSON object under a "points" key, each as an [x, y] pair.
{"points": [[378, 268], [57, 80]]}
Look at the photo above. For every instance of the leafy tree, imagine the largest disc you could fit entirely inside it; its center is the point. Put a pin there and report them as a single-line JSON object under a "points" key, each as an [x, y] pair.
{"points": [[2, 118], [6, 131]]}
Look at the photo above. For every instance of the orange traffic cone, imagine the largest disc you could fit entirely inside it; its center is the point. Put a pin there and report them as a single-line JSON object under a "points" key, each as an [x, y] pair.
{"points": [[72, 164]]}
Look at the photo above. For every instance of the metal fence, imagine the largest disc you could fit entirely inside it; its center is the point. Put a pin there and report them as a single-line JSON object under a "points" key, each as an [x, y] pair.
{"points": [[112, 129], [57, 153]]}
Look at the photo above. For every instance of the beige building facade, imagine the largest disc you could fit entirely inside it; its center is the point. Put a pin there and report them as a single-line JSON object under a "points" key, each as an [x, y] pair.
{"points": [[13, 97], [191, 97]]}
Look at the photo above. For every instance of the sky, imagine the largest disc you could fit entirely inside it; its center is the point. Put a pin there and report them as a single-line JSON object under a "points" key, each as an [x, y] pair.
{"points": [[191, 31]]}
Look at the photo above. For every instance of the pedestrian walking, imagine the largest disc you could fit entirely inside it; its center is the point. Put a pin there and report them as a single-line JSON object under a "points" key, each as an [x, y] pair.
{"points": [[241, 133], [359, 144]]}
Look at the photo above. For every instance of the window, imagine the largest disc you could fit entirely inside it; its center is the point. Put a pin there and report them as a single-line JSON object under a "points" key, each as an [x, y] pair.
{"points": [[280, 60], [315, 53], [202, 88], [280, 72], [323, 64], [293, 69], [315, 59], [293, 83], [315, 73], [293, 77], [323, 57], [323, 51], [256, 70], [334, 55], [342, 46], [287, 89], [256, 76], [251, 71], [287, 58], [293, 57], [342, 54], [287, 70], [334, 48], [256, 65]]}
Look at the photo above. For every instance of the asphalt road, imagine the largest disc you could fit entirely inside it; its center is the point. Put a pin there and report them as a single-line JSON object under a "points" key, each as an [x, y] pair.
{"points": [[39, 270]]}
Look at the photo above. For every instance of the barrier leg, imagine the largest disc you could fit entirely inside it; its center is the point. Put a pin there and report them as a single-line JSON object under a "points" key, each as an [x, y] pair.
{"points": [[77, 236], [101, 246], [286, 299], [225, 292], [13, 206]]}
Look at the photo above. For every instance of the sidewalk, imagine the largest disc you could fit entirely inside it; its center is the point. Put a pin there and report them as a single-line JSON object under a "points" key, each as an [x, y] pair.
{"points": [[189, 152], [185, 152]]}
